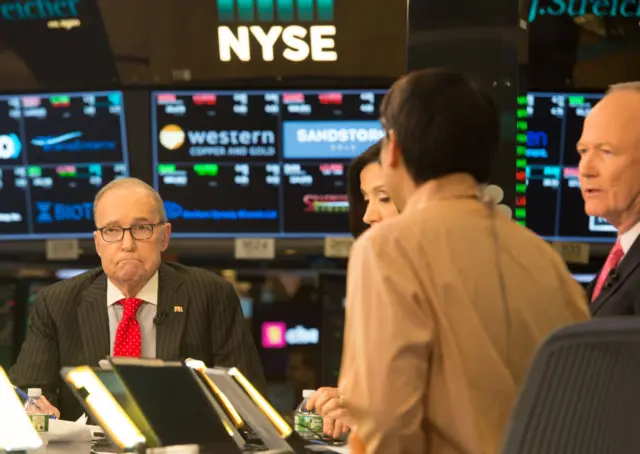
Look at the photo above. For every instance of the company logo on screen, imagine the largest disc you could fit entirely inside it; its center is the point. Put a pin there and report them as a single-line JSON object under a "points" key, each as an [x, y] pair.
{"points": [[38, 9], [537, 142], [172, 210], [233, 143], [175, 211], [328, 203], [276, 335], [315, 42], [329, 139], [337, 135], [10, 146], [48, 212], [71, 141], [172, 137], [573, 8]]}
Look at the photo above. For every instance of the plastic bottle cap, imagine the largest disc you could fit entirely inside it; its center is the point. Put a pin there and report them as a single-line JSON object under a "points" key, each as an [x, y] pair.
{"points": [[308, 393], [34, 392]]}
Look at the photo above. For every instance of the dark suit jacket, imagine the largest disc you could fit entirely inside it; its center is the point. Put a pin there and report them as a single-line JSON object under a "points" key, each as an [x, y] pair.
{"points": [[70, 327], [623, 296]]}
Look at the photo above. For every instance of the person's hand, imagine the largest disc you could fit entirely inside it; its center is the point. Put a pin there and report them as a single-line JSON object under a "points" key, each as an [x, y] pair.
{"points": [[47, 408], [336, 419]]}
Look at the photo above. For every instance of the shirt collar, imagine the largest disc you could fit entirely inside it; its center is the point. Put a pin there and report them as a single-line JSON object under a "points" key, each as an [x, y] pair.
{"points": [[148, 294], [629, 237], [454, 186]]}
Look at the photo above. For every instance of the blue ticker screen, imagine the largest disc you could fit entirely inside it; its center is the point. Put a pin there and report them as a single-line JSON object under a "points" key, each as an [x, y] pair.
{"points": [[56, 151], [273, 163], [554, 204]]}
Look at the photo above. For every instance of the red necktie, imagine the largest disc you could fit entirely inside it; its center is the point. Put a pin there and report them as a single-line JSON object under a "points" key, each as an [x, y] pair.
{"points": [[128, 340], [613, 260]]}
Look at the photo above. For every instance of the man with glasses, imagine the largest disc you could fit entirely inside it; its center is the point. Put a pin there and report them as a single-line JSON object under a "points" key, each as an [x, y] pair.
{"points": [[134, 305]]}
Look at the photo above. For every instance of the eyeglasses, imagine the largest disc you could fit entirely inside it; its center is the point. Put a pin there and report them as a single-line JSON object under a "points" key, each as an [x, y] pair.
{"points": [[113, 234]]}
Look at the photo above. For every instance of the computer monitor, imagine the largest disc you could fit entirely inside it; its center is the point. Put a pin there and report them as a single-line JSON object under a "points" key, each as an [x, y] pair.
{"points": [[56, 152], [251, 411], [164, 403], [106, 400], [16, 431], [271, 163], [554, 205], [177, 405]]}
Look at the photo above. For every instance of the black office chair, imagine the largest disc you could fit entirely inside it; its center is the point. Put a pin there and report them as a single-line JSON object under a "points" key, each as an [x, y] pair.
{"points": [[582, 394]]}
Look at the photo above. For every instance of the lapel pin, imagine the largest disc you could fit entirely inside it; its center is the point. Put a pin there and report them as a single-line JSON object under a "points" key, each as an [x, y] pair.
{"points": [[178, 309]]}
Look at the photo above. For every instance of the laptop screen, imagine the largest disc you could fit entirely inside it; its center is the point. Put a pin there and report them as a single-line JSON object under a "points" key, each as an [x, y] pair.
{"points": [[176, 405]]}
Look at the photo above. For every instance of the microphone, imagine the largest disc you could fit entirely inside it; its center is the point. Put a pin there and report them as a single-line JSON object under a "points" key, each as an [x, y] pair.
{"points": [[159, 318], [612, 278]]}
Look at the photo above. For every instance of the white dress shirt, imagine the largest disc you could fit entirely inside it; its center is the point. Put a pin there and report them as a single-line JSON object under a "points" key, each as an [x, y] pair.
{"points": [[145, 315], [629, 237]]}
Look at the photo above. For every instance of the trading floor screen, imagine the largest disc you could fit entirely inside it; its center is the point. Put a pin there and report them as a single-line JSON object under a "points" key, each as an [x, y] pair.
{"points": [[56, 151], [555, 208], [267, 162]]}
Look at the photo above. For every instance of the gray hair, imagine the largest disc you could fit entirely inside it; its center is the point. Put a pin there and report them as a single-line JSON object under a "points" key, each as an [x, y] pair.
{"points": [[632, 86], [132, 182]]}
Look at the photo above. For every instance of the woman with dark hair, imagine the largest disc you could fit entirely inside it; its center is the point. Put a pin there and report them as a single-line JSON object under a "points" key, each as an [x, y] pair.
{"points": [[369, 202]]}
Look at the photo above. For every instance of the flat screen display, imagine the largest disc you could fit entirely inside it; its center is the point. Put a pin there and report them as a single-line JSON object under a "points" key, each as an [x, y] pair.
{"points": [[555, 208], [56, 151], [184, 417], [274, 163]]}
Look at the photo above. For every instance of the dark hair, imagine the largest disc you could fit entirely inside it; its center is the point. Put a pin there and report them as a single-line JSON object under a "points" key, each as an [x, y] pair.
{"points": [[444, 123], [357, 204]]}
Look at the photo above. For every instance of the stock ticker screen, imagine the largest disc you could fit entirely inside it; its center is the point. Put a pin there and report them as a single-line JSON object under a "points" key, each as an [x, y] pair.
{"points": [[267, 162], [56, 151], [555, 208]]}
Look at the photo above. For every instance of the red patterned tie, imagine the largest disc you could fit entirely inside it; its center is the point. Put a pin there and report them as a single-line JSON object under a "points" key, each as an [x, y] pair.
{"points": [[613, 260], [128, 340]]}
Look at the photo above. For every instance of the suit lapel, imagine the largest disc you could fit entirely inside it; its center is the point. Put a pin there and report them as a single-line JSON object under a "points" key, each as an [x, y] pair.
{"points": [[629, 263], [173, 302], [93, 320]]}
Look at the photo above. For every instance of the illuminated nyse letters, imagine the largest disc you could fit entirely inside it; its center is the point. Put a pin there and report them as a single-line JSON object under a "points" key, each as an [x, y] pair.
{"points": [[321, 45]]}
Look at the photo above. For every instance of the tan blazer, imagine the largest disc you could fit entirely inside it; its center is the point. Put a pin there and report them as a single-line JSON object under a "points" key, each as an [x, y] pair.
{"points": [[433, 354]]}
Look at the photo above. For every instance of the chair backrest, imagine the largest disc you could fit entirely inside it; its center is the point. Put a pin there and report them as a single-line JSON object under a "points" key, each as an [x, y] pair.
{"points": [[582, 393]]}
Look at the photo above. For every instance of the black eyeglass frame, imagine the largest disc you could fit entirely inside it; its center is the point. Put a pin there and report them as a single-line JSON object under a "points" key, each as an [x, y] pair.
{"points": [[130, 229]]}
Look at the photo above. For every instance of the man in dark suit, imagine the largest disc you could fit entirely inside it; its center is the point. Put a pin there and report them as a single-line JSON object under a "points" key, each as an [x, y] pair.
{"points": [[134, 305], [609, 174]]}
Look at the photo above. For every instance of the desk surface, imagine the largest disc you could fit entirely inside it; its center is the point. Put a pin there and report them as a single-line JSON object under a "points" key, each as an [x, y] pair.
{"points": [[85, 448], [64, 448]]}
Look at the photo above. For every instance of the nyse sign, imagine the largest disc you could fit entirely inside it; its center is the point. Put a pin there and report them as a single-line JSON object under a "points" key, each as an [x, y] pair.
{"points": [[316, 42]]}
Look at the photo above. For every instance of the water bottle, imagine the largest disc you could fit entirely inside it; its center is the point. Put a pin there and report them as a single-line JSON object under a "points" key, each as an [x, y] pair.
{"points": [[39, 418], [307, 424]]}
